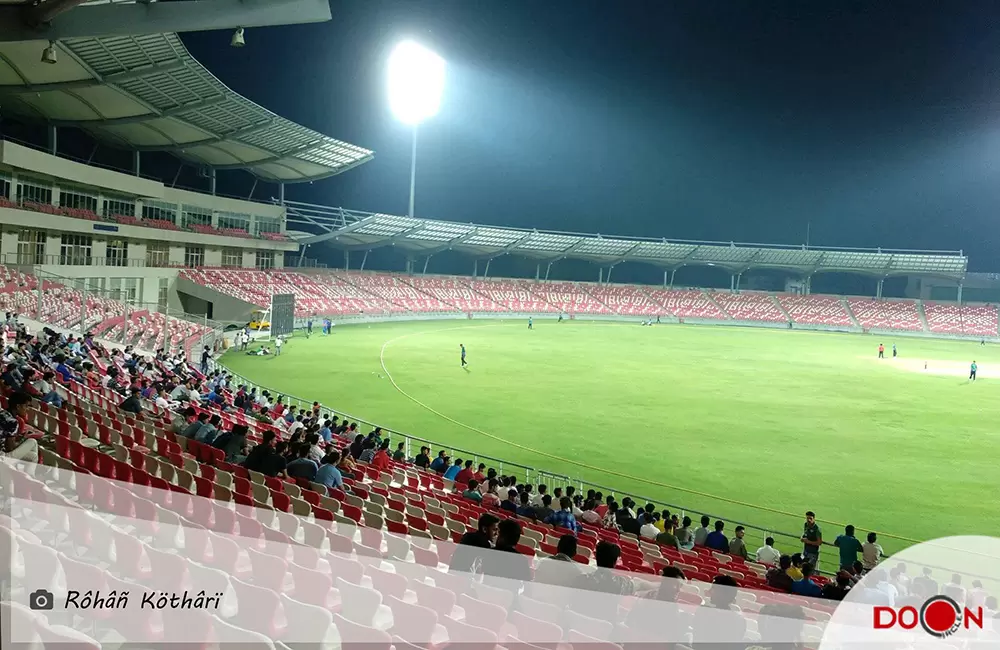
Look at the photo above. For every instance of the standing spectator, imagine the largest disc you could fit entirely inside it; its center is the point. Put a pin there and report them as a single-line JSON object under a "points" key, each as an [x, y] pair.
{"points": [[278, 342], [205, 356], [812, 539], [737, 547], [767, 554], [871, 552], [13, 443], [716, 540], [701, 534], [849, 546], [564, 516]]}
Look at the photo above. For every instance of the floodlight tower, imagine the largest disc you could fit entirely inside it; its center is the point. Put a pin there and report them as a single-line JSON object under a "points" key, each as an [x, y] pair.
{"points": [[416, 81]]}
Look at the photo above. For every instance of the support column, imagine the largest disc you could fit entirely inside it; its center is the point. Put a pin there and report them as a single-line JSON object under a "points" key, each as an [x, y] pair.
{"points": [[538, 270], [600, 275], [302, 253], [211, 181], [738, 278], [427, 260], [347, 260], [664, 279], [486, 273], [878, 291], [732, 283], [475, 268], [672, 273], [281, 193], [607, 280], [960, 293], [548, 268], [136, 163], [364, 259], [54, 140]]}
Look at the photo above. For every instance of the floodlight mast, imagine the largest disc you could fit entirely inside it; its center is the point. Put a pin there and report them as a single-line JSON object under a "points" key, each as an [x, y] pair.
{"points": [[416, 81]]}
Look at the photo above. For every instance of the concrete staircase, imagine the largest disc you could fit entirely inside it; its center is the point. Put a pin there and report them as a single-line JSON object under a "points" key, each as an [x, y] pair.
{"points": [[778, 304], [923, 316], [847, 308], [712, 300]]}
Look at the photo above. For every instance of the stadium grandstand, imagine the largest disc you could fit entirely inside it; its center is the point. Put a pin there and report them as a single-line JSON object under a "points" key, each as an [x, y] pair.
{"points": [[119, 290]]}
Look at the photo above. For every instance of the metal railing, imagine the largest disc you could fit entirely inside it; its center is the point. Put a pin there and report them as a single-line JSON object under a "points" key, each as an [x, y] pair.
{"points": [[755, 533]]}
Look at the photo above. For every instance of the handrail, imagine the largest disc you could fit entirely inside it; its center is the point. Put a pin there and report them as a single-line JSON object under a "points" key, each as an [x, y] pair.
{"points": [[533, 475]]}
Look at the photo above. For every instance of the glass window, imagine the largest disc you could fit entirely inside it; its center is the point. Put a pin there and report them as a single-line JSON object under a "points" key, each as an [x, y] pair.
{"points": [[265, 259], [267, 225], [117, 252], [157, 254], [75, 250], [232, 257], [234, 221], [4, 186], [77, 201], [195, 216], [130, 289], [162, 293], [119, 207], [30, 246], [33, 193], [159, 211], [115, 288], [194, 256]]}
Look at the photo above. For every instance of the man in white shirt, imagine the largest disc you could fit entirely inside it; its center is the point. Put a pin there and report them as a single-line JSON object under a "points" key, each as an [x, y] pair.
{"points": [[767, 554], [277, 346], [871, 552], [649, 529], [295, 426], [536, 497]]}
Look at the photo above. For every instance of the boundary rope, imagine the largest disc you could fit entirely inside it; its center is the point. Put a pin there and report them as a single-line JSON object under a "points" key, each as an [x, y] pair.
{"points": [[610, 472]]}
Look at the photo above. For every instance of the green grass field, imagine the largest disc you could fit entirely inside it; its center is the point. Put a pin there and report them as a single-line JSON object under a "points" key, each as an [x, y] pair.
{"points": [[787, 420]]}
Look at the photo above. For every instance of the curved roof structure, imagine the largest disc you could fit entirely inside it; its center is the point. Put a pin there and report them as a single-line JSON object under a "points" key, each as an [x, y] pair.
{"points": [[146, 92], [365, 231]]}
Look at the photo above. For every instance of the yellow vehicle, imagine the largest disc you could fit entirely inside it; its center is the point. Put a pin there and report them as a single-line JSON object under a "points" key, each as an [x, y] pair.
{"points": [[257, 321]]}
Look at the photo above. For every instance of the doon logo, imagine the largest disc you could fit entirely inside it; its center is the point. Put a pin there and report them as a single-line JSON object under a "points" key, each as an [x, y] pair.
{"points": [[940, 616]]}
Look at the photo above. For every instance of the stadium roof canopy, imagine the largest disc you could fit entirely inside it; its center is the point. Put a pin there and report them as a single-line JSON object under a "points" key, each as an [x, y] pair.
{"points": [[353, 230], [146, 92]]}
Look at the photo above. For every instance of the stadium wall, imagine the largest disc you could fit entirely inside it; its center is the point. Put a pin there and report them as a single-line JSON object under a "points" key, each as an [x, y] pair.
{"points": [[193, 298]]}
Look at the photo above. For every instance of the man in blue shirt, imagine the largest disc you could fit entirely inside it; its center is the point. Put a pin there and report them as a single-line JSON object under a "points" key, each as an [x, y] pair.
{"points": [[439, 464], [328, 473], [325, 433], [303, 466], [63, 369], [453, 471], [805, 586], [849, 546], [716, 540], [564, 516]]}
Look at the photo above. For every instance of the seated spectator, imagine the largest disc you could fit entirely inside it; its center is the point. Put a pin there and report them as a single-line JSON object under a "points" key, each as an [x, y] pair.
{"points": [[257, 458], [358, 446], [381, 459], [423, 459], [806, 586], [506, 563], [452, 472], [347, 466], [328, 474], [667, 537], [718, 618], [795, 571], [466, 557], [589, 514], [46, 391], [737, 547], [180, 421], [368, 453], [647, 617], [491, 498], [233, 443], [132, 403], [440, 464], [610, 520], [559, 569], [649, 529], [684, 534], [564, 516], [302, 466], [767, 554], [480, 474], [837, 590], [536, 499], [544, 509], [400, 454], [603, 580], [208, 432], [316, 451], [191, 432], [701, 534], [471, 491], [525, 509], [716, 540], [778, 577], [13, 442], [465, 474], [510, 503]]}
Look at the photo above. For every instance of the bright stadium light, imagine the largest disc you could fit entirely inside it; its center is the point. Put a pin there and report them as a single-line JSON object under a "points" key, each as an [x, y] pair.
{"points": [[416, 81]]}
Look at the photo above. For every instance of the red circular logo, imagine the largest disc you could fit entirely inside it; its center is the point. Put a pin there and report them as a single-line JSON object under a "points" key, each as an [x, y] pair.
{"points": [[940, 616]]}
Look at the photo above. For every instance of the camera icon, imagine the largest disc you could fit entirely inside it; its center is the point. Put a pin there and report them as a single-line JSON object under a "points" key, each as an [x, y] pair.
{"points": [[41, 599]]}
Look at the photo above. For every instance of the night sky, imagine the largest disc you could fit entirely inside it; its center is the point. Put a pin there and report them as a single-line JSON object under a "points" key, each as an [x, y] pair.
{"points": [[873, 121]]}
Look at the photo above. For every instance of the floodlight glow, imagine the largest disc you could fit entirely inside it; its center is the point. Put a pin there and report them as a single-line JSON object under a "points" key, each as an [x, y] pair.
{"points": [[416, 81]]}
